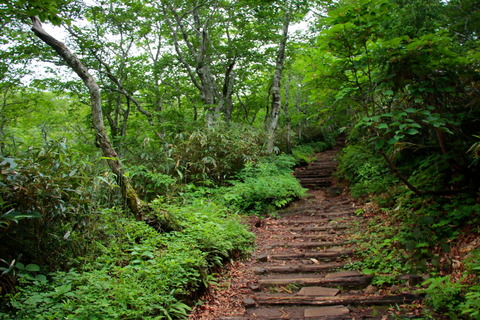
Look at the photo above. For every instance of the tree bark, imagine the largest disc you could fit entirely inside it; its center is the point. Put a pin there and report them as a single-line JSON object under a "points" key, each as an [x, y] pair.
{"points": [[287, 117], [129, 195], [276, 84], [227, 91]]}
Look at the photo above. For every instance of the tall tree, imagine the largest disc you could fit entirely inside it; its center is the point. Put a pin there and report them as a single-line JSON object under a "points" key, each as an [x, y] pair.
{"points": [[288, 13], [276, 106]]}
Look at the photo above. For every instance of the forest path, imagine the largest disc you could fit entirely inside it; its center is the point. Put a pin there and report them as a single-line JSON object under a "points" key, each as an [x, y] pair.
{"points": [[298, 271]]}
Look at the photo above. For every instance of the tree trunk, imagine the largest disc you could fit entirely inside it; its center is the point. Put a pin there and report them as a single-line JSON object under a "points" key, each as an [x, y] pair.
{"points": [[227, 91], [276, 84], [130, 197], [288, 121]]}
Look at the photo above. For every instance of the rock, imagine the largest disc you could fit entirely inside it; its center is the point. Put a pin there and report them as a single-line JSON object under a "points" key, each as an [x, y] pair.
{"points": [[318, 292], [259, 223], [333, 192], [343, 274], [249, 303], [260, 270], [262, 257], [333, 311], [254, 286]]}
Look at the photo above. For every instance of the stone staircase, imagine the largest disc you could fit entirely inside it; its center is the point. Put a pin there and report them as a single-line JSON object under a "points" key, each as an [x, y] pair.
{"points": [[300, 266]]}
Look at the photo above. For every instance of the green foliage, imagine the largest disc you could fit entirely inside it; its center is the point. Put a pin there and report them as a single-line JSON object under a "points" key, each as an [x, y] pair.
{"points": [[457, 298], [263, 187], [382, 258], [401, 79], [213, 228], [443, 294], [305, 153], [53, 185], [149, 184], [11, 216], [14, 271], [365, 172], [212, 154], [135, 272]]}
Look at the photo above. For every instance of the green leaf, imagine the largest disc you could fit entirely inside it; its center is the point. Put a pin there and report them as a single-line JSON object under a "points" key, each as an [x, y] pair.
{"points": [[20, 266], [412, 131], [34, 299], [63, 289], [11, 162], [32, 267], [392, 141], [40, 277], [411, 110], [148, 254]]}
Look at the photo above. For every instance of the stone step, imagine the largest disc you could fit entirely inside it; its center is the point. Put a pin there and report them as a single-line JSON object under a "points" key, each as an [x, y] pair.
{"points": [[308, 280], [366, 300], [326, 227], [323, 184], [326, 255], [317, 236], [314, 178], [295, 268], [295, 313], [305, 213], [308, 244], [296, 277], [314, 215], [317, 219]]}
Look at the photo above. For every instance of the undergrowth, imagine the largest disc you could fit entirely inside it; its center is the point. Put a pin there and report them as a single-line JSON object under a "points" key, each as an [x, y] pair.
{"points": [[135, 272], [435, 237], [264, 186], [305, 153]]}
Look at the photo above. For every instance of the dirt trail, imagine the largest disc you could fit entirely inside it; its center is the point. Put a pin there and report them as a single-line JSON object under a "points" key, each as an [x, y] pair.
{"points": [[298, 271]]}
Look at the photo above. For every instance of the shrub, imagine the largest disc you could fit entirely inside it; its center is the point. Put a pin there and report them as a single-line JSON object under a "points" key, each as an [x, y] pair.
{"points": [[148, 183], [443, 294], [134, 272], [212, 154], [304, 154], [262, 188], [52, 184], [365, 172]]}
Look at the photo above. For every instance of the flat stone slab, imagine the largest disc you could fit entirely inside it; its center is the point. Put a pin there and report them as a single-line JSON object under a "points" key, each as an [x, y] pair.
{"points": [[333, 311], [358, 281], [343, 274], [318, 292]]}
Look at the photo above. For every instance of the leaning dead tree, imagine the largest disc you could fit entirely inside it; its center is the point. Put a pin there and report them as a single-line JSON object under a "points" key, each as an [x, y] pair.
{"points": [[129, 195]]}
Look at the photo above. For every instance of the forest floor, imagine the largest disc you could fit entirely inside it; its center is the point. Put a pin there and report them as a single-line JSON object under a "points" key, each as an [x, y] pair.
{"points": [[302, 267]]}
